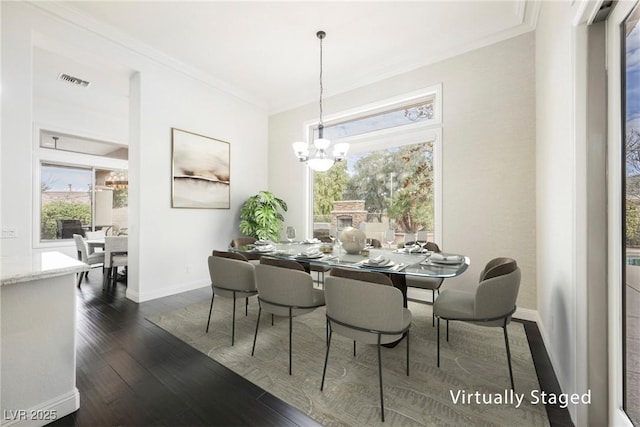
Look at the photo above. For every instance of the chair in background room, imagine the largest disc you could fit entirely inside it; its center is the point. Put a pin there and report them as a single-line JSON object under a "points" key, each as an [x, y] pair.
{"points": [[368, 313], [285, 290], [429, 283], [232, 276], [492, 304], [116, 254], [95, 259], [66, 228]]}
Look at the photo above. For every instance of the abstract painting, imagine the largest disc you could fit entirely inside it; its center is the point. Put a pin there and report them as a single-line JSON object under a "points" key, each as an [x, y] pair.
{"points": [[200, 171]]}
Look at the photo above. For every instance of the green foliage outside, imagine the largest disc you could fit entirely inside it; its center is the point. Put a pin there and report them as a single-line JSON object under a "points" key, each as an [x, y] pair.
{"points": [[398, 182], [120, 198], [61, 210], [327, 187], [633, 224], [261, 216]]}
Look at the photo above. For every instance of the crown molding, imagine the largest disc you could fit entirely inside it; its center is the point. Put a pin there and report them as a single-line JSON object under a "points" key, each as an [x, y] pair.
{"points": [[70, 15], [526, 12]]}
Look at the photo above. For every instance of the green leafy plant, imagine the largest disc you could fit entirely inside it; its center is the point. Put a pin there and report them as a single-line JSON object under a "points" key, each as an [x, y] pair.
{"points": [[261, 216]]}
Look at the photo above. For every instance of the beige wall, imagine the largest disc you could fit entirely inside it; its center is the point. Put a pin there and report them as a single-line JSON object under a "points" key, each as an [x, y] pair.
{"points": [[488, 153]]}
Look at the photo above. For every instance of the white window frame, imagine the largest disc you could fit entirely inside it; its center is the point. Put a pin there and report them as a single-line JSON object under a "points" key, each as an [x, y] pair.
{"points": [[428, 130], [62, 158], [617, 416]]}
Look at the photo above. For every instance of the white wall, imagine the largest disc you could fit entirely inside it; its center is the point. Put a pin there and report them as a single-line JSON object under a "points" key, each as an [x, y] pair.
{"points": [[168, 247], [570, 183], [488, 153]]}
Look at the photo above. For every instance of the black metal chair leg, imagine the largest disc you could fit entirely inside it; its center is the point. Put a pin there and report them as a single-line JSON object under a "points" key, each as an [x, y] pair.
{"points": [[80, 278], [210, 311], [407, 353], [354, 348], [233, 321], [271, 319], [256, 334], [438, 333], [246, 307], [433, 300], [380, 377], [506, 342], [290, 337], [326, 359], [447, 330]]}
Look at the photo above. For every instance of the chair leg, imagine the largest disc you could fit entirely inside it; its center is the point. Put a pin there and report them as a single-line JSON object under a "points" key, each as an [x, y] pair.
{"points": [[354, 348], [438, 333], [447, 330], [380, 377], [114, 276], [256, 334], [407, 353], [210, 311], [233, 321], [433, 300], [246, 307], [326, 358], [80, 278], [506, 342], [290, 337], [271, 319]]}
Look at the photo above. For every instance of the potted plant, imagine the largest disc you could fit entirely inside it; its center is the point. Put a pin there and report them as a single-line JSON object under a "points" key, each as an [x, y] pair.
{"points": [[261, 216]]}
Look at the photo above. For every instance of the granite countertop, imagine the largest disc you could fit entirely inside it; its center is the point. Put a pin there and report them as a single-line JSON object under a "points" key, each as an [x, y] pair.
{"points": [[41, 265]]}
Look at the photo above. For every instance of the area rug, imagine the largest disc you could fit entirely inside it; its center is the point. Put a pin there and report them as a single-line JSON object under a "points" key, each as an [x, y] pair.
{"points": [[470, 388]]}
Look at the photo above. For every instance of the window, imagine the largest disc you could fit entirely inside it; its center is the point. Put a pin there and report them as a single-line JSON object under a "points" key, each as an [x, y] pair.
{"points": [[79, 191], [390, 178], [631, 225], [76, 199]]}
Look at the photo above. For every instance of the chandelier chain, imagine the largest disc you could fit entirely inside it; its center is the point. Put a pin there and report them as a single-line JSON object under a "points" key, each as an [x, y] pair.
{"points": [[320, 125]]}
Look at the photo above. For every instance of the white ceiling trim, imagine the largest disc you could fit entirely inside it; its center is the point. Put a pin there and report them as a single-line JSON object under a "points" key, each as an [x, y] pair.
{"points": [[526, 10], [88, 23]]}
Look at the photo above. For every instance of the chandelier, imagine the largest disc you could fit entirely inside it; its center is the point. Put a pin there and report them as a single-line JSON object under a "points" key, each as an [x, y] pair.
{"points": [[321, 160], [117, 180]]}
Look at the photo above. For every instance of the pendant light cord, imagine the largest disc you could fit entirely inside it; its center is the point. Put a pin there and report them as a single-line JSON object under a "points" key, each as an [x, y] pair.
{"points": [[321, 36]]}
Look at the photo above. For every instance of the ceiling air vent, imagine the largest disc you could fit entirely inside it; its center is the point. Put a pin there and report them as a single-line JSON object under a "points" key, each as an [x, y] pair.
{"points": [[73, 80]]}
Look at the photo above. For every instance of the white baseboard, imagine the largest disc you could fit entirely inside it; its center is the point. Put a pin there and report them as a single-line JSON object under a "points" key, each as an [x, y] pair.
{"points": [[527, 314], [164, 292], [43, 413]]}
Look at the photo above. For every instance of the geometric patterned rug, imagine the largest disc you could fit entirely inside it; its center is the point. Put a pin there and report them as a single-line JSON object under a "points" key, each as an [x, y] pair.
{"points": [[470, 388]]}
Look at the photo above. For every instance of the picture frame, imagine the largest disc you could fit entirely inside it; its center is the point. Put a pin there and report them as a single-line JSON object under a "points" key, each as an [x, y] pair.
{"points": [[200, 171]]}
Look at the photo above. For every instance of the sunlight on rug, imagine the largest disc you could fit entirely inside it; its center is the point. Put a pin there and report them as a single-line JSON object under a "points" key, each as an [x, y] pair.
{"points": [[474, 360]]}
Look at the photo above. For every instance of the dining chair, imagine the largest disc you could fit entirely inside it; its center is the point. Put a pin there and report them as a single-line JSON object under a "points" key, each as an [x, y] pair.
{"points": [[115, 255], [285, 292], [491, 304], [429, 283], [95, 259], [366, 312], [238, 256], [231, 276], [239, 242]]}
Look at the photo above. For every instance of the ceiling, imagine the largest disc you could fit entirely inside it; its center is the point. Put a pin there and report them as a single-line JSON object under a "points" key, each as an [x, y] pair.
{"points": [[267, 52]]}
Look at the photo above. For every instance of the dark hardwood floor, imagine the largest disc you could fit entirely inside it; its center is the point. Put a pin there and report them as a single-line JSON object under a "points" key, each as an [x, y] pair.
{"points": [[130, 372]]}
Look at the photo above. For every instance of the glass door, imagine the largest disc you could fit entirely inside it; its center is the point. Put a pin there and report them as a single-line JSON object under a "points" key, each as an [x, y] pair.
{"points": [[630, 38]]}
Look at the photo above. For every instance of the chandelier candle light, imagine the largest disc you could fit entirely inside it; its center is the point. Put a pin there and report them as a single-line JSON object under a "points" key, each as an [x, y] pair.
{"points": [[321, 161]]}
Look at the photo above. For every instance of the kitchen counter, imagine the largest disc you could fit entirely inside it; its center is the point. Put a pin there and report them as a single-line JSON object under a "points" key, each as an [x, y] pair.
{"points": [[18, 269], [38, 338]]}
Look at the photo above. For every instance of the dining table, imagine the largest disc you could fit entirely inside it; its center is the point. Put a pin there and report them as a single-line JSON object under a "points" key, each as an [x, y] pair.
{"points": [[396, 263]]}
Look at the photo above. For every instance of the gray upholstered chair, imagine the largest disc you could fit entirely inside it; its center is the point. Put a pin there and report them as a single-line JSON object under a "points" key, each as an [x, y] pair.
{"points": [[231, 277], [95, 259], [429, 283], [241, 257], [366, 312], [492, 304], [286, 292]]}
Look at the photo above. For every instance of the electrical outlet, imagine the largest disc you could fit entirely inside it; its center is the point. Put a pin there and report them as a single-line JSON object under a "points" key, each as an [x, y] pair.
{"points": [[9, 233]]}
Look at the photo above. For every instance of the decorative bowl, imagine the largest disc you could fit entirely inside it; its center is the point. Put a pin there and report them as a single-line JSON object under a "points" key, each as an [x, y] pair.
{"points": [[353, 240]]}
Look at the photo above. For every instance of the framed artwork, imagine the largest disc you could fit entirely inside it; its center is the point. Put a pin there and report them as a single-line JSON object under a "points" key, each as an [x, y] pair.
{"points": [[201, 171]]}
